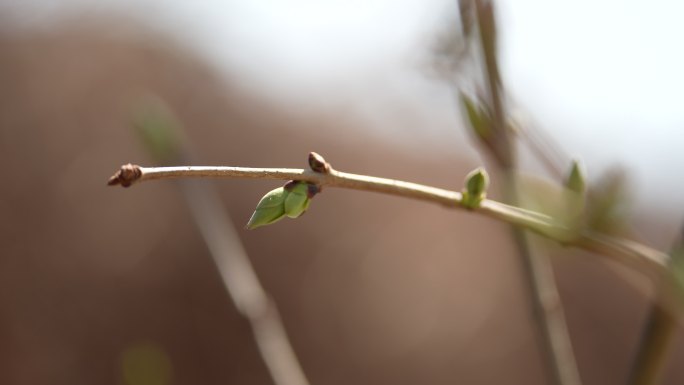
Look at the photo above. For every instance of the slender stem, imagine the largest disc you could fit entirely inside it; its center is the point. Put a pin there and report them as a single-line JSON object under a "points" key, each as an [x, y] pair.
{"points": [[648, 260], [658, 333], [162, 136], [657, 337], [242, 283], [547, 307]]}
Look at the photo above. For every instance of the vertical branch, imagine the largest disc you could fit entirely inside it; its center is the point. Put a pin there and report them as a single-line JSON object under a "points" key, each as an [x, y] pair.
{"points": [[547, 306], [654, 346], [163, 139], [658, 332], [242, 283], [501, 148]]}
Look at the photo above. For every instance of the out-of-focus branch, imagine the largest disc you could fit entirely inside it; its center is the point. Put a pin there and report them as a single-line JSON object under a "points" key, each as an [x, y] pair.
{"points": [[660, 328], [658, 333], [163, 139], [242, 284], [547, 305]]}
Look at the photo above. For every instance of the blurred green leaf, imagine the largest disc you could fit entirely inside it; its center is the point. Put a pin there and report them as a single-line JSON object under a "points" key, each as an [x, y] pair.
{"points": [[479, 119], [608, 203], [146, 364], [158, 130], [575, 180], [575, 199]]}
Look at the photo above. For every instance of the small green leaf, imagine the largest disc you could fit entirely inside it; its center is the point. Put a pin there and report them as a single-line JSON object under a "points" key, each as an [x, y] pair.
{"points": [[608, 203], [575, 199], [575, 181], [479, 119], [159, 130], [297, 200], [475, 190], [270, 209], [477, 182]]}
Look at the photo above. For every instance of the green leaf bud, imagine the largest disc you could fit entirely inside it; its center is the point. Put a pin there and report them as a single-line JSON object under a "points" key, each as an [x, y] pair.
{"points": [[575, 199], [297, 200], [270, 209], [475, 190]]}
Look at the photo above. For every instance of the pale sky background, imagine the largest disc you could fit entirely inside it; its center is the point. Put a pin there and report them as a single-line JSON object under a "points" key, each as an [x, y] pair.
{"points": [[603, 77]]}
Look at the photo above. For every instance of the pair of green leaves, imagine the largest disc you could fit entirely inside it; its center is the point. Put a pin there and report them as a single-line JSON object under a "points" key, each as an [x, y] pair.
{"points": [[290, 200]]}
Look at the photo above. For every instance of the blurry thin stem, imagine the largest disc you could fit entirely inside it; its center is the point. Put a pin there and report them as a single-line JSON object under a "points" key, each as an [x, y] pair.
{"points": [[243, 285], [548, 308], [162, 136], [654, 346], [647, 260], [657, 335], [546, 302]]}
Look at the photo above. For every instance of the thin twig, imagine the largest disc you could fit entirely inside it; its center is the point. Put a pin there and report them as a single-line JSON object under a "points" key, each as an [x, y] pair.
{"points": [[657, 337], [162, 136], [242, 284], [658, 333], [648, 260]]}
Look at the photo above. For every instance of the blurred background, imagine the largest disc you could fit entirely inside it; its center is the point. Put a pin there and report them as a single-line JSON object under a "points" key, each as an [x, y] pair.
{"points": [[97, 283]]}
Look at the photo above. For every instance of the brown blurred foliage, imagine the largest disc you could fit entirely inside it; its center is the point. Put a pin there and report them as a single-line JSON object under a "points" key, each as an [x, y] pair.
{"points": [[372, 289]]}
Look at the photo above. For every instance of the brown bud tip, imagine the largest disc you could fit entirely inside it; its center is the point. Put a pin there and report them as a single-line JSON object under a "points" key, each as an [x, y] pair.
{"points": [[318, 163], [290, 185], [312, 190], [126, 176]]}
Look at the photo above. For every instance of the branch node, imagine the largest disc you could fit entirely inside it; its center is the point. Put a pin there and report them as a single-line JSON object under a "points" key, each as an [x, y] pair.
{"points": [[318, 163], [126, 175]]}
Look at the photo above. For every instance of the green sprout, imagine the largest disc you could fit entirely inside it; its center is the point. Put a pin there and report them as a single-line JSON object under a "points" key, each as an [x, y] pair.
{"points": [[475, 189], [575, 181]]}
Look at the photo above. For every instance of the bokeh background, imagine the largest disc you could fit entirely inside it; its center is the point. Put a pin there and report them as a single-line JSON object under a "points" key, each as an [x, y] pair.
{"points": [[95, 281]]}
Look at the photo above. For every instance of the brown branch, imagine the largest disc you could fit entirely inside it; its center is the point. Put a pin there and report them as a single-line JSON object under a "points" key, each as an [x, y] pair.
{"points": [[650, 261]]}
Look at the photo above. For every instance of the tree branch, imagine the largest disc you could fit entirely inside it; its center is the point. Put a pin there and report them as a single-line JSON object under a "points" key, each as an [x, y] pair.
{"points": [[651, 262]]}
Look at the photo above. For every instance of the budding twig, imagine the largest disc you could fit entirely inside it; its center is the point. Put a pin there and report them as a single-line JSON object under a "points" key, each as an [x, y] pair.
{"points": [[648, 260]]}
